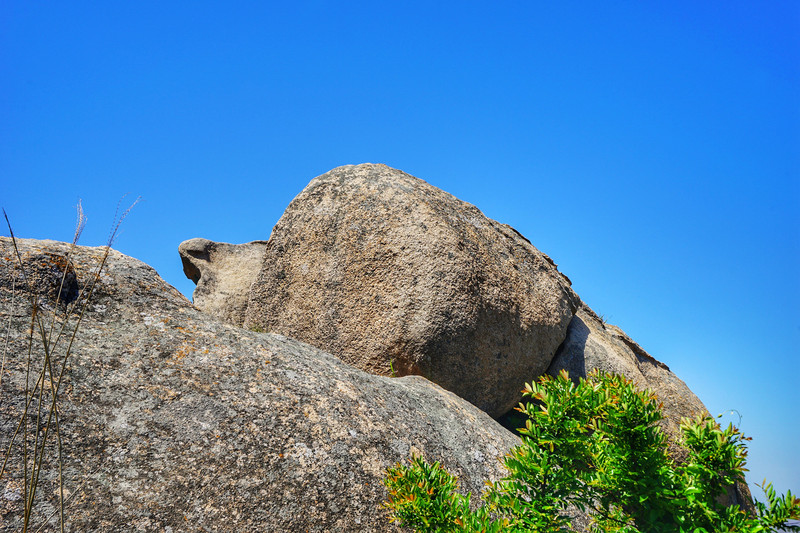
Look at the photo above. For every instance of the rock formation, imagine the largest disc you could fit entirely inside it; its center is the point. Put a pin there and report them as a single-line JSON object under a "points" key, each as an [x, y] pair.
{"points": [[376, 266], [223, 274], [173, 417], [388, 272], [171, 420]]}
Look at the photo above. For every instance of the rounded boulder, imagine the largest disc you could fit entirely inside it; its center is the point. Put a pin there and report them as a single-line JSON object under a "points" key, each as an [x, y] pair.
{"points": [[395, 276]]}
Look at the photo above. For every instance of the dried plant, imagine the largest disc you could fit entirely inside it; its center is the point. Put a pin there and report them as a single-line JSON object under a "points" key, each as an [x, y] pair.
{"points": [[50, 338]]}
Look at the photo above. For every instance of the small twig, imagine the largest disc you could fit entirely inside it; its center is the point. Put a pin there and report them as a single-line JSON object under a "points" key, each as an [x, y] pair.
{"points": [[8, 330]]}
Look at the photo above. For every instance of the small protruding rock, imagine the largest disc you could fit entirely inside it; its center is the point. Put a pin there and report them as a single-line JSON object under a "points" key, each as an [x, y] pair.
{"points": [[223, 274]]}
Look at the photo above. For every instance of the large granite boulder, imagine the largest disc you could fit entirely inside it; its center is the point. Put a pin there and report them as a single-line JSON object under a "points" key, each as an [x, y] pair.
{"points": [[389, 273], [377, 266], [171, 420]]}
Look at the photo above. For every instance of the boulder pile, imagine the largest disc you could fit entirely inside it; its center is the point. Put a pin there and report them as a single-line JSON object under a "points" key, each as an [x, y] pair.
{"points": [[393, 275], [172, 420], [383, 318]]}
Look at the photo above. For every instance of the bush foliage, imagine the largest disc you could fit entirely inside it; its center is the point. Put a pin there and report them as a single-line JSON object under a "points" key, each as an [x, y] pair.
{"points": [[595, 446]]}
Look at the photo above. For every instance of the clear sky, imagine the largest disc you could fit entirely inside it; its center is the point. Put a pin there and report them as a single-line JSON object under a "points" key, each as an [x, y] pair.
{"points": [[652, 149]]}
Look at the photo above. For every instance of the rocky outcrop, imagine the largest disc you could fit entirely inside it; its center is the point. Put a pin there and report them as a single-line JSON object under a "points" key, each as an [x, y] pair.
{"points": [[376, 266], [171, 420], [223, 274], [388, 272]]}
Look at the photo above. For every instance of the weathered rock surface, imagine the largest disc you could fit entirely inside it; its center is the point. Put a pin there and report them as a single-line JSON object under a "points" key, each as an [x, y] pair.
{"points": [[223, 274], [375, 265], [378, 267], [171, 420]]}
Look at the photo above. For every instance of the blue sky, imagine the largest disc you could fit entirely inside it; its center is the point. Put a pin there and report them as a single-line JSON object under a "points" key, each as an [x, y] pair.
{"points": [[652, 149]]}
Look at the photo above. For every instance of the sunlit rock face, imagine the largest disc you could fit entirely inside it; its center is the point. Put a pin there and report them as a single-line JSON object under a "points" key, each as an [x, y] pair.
{"points": [[389, 273], [172, 418]]}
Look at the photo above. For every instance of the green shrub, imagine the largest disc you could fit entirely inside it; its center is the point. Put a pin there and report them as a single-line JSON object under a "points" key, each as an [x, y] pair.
{"points": [[595, 446]]}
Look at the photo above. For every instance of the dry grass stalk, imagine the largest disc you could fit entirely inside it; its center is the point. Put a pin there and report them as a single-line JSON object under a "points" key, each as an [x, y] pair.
{"points": [[53, 334]]}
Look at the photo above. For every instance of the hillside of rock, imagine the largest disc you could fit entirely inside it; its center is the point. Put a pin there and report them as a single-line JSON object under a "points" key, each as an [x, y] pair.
{"points": [[171, 420], [266, 405]]}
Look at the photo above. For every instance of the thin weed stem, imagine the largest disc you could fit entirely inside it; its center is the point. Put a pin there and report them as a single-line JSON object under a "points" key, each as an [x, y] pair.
{"points": [[53, 369], [8, 330]]}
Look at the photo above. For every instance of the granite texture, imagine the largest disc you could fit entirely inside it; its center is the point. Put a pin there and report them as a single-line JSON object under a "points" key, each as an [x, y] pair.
{"points": [[223, 274], [386, 271], [172, 420]]}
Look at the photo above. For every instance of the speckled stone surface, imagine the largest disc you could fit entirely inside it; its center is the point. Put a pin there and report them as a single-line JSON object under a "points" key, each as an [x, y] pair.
{"points": [[172, 420], [381, 268]]}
